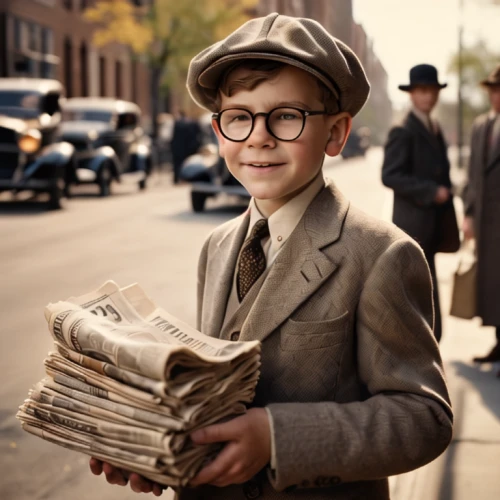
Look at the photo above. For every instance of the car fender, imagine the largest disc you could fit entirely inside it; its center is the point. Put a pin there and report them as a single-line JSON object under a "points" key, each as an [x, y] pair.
{"points": [[140, 158], [57, 157], [100, 157]]}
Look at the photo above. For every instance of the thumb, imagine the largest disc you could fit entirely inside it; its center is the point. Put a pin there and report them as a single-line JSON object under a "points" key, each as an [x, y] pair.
{"points": [[217, 433]]}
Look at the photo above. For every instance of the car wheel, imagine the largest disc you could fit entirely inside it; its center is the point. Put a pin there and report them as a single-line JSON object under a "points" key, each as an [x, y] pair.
{"points": [[104, 181], [56, 193], [198, 201]]}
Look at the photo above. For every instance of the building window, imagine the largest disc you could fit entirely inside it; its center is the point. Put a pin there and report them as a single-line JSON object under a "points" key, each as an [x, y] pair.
{"points": [[102, 76], [18, 34], [118, 80], [84, 69], [133, 77], [68, 69], [33, 37]]}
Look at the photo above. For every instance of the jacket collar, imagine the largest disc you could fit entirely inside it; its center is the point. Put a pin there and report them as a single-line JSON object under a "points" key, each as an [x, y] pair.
{"points": [[299, 270]]}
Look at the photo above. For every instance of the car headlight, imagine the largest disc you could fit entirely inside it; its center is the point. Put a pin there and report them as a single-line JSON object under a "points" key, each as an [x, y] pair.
{"points": [[30, 142]]}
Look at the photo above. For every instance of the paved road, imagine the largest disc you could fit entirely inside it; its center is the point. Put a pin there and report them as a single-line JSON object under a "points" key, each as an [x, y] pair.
{"points": [[153, 238]]}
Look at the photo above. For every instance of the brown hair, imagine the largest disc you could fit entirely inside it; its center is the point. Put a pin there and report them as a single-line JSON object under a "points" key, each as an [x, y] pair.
{"points": [[261, 71]]}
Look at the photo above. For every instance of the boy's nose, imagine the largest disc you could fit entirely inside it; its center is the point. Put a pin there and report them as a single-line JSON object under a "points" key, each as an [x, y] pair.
{"points": [[260, 136]]}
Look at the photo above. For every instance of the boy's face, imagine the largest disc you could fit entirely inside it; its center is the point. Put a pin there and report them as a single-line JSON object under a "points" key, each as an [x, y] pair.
{"points": [[425, 97], [271, 170], [494, 94]]}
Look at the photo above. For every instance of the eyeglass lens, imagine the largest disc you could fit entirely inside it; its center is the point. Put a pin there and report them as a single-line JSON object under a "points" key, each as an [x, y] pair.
{"points": [[284, 123]]}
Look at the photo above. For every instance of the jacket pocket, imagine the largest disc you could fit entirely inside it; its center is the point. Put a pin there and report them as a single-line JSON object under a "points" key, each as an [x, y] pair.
{"points": [[310, 335]]}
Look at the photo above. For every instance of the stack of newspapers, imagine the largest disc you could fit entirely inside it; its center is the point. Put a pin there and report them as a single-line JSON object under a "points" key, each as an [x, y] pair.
{"points": [[127, 383]]}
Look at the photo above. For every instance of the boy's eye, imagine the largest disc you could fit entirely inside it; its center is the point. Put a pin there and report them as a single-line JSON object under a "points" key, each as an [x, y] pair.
{"points": [[287, 115], [235, 117]]}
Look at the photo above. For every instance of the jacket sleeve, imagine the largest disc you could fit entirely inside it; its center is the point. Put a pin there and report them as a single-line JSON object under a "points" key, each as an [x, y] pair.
{"points": [[202, 270], [407, 420], [397, 172], [470, 192]]}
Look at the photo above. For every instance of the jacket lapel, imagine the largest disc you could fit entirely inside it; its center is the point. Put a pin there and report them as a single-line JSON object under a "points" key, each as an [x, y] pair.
{"points": [[226, 256], [300, 268], [494, 156], [413, 123]]}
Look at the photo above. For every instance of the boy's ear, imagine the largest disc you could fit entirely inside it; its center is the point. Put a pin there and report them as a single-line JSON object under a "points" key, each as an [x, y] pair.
{"points": [[340, 127], [220, 137]]}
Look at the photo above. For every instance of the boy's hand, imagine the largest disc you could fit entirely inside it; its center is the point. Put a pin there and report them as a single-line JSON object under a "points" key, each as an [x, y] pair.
{"points": [[468, 228], [442, 195], [121, 477], [247, 451]]}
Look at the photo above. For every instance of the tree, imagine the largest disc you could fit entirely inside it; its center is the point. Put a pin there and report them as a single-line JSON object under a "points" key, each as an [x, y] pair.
{"points": [[167, 33]]}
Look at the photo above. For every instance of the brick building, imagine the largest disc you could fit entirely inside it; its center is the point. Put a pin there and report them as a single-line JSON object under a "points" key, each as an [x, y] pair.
{"points": [[51, 39], [337, 17]]}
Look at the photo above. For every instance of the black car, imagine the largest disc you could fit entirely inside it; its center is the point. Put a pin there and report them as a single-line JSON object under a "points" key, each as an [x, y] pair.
{"points": [[31, 156], [207, 172], [109, 141]]}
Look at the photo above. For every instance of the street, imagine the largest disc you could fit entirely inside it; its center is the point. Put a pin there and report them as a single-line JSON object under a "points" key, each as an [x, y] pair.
{"points": [[153, 238]]}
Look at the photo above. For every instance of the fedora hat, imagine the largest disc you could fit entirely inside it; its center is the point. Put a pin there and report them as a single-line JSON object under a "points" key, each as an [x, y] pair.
{"points": [[299, 42], [423, 74], [493, 78]]}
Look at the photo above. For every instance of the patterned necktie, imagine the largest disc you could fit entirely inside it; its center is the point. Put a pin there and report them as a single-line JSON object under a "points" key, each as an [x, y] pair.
{"points": [[252, 259]]}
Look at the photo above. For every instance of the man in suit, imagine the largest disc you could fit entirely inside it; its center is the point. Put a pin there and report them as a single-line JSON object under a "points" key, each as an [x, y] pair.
{"points": [[482, 210], [352, 387], [186, 140], [416, 167]]}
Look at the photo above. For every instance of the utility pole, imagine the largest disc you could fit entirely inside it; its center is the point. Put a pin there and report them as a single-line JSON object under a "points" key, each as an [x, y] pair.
{"points": [[460, 121]]}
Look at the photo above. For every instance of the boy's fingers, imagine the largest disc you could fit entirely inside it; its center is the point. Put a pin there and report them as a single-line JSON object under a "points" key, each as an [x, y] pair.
{"points": [[217, 433], [114, 475], [140, 484], [157, 489], [217, 468], [95, 466]]}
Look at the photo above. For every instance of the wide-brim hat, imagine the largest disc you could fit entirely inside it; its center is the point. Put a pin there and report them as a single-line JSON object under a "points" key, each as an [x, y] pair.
{"points": [[493, 78], [299, 42], [423, 74]]}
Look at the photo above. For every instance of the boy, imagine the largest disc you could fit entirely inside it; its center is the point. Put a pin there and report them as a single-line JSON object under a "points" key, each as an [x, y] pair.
{"points": [[416, 167], [352, 388]]}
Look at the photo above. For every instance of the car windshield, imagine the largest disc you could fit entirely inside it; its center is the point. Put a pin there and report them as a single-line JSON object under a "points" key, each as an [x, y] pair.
{"points": [[20, 104], [87, 115]]}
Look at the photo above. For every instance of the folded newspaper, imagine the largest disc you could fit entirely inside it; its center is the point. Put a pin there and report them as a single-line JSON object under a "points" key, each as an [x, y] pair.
{"points": [[127, 383]]}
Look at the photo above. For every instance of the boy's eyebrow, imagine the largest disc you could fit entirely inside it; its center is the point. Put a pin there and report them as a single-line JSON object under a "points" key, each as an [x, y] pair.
{"points": [[281, 104]]}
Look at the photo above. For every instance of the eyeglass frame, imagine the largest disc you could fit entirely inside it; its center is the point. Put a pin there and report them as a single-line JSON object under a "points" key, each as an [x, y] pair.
{"points": [[303, 112]]}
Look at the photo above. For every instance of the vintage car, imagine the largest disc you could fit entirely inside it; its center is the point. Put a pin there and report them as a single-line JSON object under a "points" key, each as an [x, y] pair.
{"points": [[357, 143], [31, 156], [207, 172], [109, 142]]}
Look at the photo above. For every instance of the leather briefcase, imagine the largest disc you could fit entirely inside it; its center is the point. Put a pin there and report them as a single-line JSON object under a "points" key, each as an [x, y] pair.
{"points": [[464, 293]]}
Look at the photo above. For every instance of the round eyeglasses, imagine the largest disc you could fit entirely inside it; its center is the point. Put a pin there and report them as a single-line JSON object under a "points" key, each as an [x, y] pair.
{"points": [[285, 124]]}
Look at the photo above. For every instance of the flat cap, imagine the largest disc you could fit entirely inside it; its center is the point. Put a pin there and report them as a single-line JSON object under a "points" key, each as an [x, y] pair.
{"points": [[300, 42]]}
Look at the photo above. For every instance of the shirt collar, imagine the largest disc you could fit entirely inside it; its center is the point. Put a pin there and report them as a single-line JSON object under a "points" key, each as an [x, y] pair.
{"points": [[284, 220], [424, 118]]}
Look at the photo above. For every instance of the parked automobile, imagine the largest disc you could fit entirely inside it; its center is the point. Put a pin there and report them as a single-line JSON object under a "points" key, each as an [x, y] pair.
{"points": [[207, 172], [109, 142], [357, 143], [31, 155]]}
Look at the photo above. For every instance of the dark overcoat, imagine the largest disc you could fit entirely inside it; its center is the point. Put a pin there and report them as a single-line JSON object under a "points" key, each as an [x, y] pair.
{"points": [[482, 202], [415, 165]]}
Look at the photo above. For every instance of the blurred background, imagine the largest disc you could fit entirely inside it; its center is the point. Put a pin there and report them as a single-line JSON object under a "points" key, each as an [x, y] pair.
{"points": [[138, 51]]}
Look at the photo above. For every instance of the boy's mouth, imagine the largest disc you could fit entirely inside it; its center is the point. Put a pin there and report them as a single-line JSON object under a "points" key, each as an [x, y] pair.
{"points": [[264, 165]]}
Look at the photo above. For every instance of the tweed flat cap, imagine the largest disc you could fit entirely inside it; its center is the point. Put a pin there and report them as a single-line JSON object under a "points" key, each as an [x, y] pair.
{"points": [[300, 42]]}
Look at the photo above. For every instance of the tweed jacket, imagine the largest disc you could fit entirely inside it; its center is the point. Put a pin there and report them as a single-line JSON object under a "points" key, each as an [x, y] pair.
{"points": [[351, 373], [415, 165], [482, 202]]}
